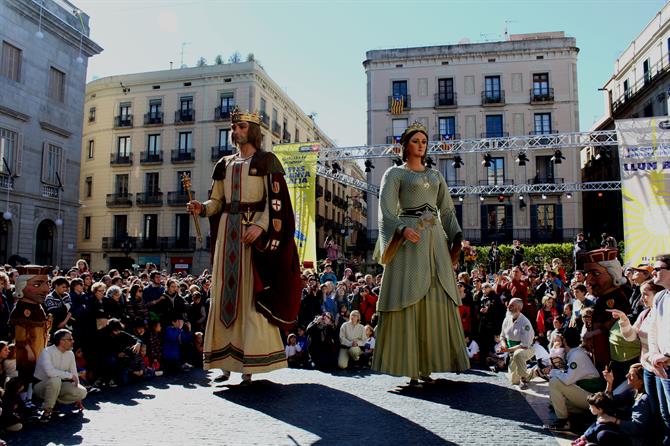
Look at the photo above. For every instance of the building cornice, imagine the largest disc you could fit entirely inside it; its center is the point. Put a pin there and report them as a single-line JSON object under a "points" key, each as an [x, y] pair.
{"points": [[14, 114], [51, 23], [53, 129]]}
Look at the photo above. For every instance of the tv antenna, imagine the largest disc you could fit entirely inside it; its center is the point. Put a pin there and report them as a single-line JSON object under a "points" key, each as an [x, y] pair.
{"points": [[507, 22], [183, 45]]}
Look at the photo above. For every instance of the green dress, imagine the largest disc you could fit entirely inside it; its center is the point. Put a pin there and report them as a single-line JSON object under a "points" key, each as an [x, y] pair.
{"points": [[419, 329]]}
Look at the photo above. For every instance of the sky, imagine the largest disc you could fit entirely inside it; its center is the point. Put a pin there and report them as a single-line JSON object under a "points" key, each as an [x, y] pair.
{"points": [[314, 49]]}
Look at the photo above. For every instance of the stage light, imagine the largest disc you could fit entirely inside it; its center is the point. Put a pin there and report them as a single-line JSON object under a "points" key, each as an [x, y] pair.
{"points": [[369, 166], [429, 163], [397, 161], [458, 162], [336, 168], [558, 157], [544, 196], [487, 160], [522, 158]]}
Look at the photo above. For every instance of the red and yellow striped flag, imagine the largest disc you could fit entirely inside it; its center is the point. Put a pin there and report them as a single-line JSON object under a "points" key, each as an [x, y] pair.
{"points": [[397, 105]]}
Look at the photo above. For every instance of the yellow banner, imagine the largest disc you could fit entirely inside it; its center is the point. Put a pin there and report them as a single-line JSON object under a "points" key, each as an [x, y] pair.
{"points": [[299, 161], [644, 153]]}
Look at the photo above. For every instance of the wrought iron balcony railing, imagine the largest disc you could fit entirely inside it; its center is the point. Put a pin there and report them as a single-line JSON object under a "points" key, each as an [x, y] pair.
{"points": [[183, 155]]}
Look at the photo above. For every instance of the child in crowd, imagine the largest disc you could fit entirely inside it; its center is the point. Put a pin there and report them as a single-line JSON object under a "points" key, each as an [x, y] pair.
{"points": [[369, 346], [177, 336], [497, 358], [472, 348], [293, 351], [155, 344], [9, 364], [301, 338], [600, 403]]}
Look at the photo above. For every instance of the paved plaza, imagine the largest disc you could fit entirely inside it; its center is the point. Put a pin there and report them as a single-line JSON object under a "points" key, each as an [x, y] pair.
{"points": [[303, 407]]}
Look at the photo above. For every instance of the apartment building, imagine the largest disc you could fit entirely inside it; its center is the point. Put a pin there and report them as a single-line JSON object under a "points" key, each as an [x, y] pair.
{"points": [[44, 51], [639, 87], [143, 132], [526, 85]]}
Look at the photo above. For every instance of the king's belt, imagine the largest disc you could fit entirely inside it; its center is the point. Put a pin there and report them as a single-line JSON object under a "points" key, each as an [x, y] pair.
{"points": [[417, 211], [238, 207]]}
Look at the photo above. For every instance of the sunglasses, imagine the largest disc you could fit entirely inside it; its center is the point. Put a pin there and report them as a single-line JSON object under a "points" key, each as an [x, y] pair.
{"points": [[658, 268]]}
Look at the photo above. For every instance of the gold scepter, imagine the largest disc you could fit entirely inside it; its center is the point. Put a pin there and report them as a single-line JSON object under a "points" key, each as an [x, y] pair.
{"points": [[186, 182]]}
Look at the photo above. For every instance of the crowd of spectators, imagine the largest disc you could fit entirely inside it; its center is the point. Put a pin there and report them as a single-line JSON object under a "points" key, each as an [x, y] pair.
{"points": [[545, 321]]}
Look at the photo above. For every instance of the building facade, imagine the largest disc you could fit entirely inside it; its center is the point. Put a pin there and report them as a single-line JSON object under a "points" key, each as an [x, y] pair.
{"points": [[143, 132], [43, 61], [524, 86], [638, 88]]}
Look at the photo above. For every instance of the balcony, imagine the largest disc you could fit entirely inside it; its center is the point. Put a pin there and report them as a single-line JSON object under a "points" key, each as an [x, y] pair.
{"points": [[147, 199], [184, 116], [121, 159], [445, 100], [492, 134], [285, 137], [276, 129], [155, 118], [220, 151], [446, 136], [222, 113], [183, 156], [151, 157], [406, 104], [49, 191], [118, 243], [125, 121], [496, 182], [505, 235], [178, 198], [265, 120], [119, 200], [6, 182], [179, 243], [543, 138], [148, 244], [541, 95], [493, 98], [545, 180]]}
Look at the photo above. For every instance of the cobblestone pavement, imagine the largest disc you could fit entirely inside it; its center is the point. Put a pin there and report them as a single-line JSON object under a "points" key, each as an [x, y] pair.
{"points": [[299, 407]]}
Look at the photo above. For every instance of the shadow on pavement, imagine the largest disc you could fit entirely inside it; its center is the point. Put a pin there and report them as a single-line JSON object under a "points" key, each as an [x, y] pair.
{"points": [[325, 418], [64, 428], [508, 403]]}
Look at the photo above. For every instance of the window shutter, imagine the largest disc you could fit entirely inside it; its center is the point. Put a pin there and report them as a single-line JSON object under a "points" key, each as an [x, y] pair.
{"points": [[18, 156], [44, 162], [559, 217]]}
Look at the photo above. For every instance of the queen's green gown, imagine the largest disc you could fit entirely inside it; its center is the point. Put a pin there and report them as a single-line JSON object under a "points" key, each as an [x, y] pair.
{"points": [[419, 329]]}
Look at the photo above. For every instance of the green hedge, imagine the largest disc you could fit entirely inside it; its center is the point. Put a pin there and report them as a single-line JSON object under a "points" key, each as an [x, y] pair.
{"points": [[533, 254]]}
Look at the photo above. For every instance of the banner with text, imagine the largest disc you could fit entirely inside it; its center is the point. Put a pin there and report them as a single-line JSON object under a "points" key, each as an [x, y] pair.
{"points": [[299, 161], [644, 154]]}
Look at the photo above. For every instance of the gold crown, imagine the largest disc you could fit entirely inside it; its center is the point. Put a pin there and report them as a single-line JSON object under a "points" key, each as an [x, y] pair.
{"points": [[237, 116], [415, 127]]}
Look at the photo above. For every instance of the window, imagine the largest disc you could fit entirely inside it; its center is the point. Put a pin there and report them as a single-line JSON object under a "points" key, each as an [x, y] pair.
{"points": [[449, 172], [151, 227], [91, 148], [57, 85], [186, 104], [182, 227], [52, 164], [224, 138], [151, 186], [496, 217], [540, 84], [297, 134], [8, 150], [155, 107], [626, 89], [124, 111], [447, 127], [11, 62], [648, 110], [87, 228], [445, 91], [275, 116], [399, 126], [263, 106], [492, 89], [495, 174], [546, 217], [121, 184], [542, 123], [120, 226], [89, 187], [91, 114], [123, 147], [180, 184], [544, 170], [494, 126], [400, 90], [645, 70], [227, 102], [185, 142], [154, 144]]}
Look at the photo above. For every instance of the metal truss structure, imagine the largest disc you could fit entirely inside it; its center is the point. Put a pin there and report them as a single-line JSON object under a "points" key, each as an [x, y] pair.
{"points": [[552, 141]]}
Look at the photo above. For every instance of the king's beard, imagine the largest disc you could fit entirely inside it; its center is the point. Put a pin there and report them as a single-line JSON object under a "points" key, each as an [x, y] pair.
{"points": [[239, 141]]}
